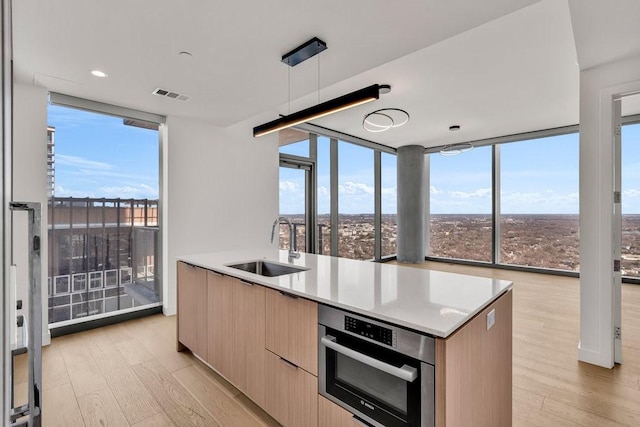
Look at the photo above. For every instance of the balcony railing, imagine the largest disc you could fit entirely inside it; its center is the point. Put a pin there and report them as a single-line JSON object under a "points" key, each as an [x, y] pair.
{"points": [[102, 255]]}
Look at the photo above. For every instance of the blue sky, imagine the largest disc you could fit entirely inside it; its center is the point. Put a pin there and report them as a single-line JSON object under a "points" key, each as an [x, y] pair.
{"points": [[537, 177], [98, 156]]}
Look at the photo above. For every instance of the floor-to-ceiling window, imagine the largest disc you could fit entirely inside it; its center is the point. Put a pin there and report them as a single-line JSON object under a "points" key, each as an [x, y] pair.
{"points": [[539, 202], [461, 205], [630, 156], [295, 180], [356, 232], [348, 178], [103, 187]]}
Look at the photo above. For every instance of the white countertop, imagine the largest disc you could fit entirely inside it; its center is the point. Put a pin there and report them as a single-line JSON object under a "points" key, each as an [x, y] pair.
{"points": [[433, 302]]}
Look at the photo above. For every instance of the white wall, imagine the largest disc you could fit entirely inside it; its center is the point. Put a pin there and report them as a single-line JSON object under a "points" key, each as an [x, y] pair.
{"points": [[30, 183], [598, 86], [221, 192], [220, 187]]}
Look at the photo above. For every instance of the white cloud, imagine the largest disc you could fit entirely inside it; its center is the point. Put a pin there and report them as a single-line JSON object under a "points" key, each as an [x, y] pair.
{"points": [[289, 186], [355, 189], [139, 191], [82, 163], [434, 190], [64, 192], [630, 193], [389, 191], [479, 193], [547, 201]]}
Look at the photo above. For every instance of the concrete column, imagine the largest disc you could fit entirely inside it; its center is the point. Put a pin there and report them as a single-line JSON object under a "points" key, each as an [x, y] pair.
{"points": [[411, 203]]}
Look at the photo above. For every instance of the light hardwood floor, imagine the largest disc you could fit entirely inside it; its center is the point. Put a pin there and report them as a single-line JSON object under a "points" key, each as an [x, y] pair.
{"points": [[130, 374], [550, 386]]}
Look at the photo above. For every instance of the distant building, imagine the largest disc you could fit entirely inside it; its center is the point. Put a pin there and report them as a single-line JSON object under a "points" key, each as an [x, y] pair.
{"points": [[102, 256], [51, 171]]}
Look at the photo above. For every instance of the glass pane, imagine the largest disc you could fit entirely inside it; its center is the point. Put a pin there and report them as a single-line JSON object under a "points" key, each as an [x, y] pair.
{"points": [[461, 205], [631, 200], [385, 387], [297, 149], [389, 177], [539, 203], [355, 202], [102, 178], [324, 195], [292, 206]]}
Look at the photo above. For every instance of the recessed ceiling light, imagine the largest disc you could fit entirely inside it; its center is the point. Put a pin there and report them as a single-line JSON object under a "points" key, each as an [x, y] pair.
{"points": [[98, 73], [185, 54]]}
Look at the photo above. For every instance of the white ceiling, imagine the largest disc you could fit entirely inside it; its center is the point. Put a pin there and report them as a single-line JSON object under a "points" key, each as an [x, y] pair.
{"points": [[515, 74], [494, 67], [605, 30]]}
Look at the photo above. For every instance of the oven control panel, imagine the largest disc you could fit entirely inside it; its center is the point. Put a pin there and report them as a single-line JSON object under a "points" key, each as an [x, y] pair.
{"points": [[369, 330]]}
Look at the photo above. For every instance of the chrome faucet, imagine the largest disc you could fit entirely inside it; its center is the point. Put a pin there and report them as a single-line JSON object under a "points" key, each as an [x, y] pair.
{"points": [[293, 250]]}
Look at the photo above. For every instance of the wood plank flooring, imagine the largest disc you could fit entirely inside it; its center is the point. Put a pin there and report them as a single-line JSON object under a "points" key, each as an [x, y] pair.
{"points": [[550, 386], [130, 374]]}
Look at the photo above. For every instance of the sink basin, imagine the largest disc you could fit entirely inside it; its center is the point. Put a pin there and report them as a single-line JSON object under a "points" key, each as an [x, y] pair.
{"points": [[266, 268]]}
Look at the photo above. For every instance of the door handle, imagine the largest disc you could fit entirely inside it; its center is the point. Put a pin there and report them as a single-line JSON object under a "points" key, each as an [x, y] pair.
{"points": [[406, 372], [33, 333]]}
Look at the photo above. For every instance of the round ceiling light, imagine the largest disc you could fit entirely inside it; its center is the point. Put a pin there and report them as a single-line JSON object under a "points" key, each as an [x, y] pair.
{"points": [[98, 73], [385, 119], [455, 149]]}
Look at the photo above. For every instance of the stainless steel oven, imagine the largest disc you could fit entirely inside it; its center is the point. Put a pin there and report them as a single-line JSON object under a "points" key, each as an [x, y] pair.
{"points": [[383, 374]]}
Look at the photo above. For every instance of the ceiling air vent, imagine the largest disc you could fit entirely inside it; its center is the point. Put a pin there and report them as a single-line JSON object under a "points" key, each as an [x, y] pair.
{"points": [[170, 94]]}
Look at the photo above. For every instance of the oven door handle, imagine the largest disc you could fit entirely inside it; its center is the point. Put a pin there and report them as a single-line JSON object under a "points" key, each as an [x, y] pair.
{"points": [[406, 372]]}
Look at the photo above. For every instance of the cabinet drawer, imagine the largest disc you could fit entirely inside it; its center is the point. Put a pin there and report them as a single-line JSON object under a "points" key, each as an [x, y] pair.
{"points": [[248, 339], [332, 415], [192, 308], [220, 323], [292, 329], [292, 393]]}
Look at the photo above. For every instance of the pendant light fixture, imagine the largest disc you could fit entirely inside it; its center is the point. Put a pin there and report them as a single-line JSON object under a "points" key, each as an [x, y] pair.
{"points": [[344, 102], [455, 149]]}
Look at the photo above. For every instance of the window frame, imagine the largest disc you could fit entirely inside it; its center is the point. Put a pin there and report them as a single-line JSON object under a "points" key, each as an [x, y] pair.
{"points": [[496, 143], [136, 118], [312, 206]]}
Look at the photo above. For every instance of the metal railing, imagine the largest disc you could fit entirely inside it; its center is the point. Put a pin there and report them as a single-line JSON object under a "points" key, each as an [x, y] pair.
{"points": [[103, 254]]}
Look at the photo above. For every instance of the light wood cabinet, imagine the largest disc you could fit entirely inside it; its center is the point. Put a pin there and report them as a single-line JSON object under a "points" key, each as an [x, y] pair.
{"points": [[192, 309], [292, 397], [265, 343], [473, 370], [292, 329], [220, 323], [249, 339], [332, 415]]}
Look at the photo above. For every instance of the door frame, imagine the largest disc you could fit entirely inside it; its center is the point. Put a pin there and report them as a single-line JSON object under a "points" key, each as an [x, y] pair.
{"points": [[309, 166]]}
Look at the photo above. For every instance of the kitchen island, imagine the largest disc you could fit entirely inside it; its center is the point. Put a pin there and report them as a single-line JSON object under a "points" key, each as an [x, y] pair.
{"points": [[243, 324]]}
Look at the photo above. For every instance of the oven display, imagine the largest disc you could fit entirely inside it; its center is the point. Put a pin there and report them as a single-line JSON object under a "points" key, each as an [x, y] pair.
{"points": [[366, 329]]}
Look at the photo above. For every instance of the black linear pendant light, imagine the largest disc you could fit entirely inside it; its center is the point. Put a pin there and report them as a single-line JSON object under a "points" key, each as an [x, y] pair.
{"points": [[293, 58]]}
